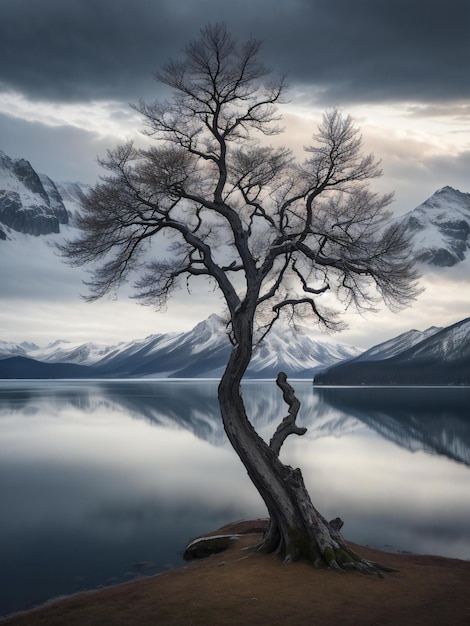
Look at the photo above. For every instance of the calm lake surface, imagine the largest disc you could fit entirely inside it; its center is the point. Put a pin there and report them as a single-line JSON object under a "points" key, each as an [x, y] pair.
{"points": [[105, 481]]}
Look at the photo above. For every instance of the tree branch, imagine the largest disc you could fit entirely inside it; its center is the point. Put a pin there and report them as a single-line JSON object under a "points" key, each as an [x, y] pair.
{"points": [[305, 285], [287, 426]]}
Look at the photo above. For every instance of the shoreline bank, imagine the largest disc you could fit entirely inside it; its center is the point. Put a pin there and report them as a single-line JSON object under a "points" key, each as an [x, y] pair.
{"points": [[240, 586]]}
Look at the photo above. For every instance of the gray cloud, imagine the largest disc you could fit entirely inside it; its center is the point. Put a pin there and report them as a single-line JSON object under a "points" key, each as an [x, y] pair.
{"points": [[362, 51], [63, 152], [415, 180], [336, 52]]}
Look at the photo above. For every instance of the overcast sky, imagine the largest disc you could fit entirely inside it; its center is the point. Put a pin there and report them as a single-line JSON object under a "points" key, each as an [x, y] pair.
{"points": [[70, 68]]}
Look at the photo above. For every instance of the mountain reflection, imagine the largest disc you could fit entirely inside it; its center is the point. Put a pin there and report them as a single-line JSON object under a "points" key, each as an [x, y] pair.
{"points": [[188, 404], [431, 419]]}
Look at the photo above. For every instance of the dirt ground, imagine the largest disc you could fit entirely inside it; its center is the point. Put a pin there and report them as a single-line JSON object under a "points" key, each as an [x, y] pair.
{"points": [[240, 587]]}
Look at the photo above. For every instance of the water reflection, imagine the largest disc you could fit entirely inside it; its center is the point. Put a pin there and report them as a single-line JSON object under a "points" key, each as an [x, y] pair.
{"points": [[88, 491], [432, 419], [97, 477]]}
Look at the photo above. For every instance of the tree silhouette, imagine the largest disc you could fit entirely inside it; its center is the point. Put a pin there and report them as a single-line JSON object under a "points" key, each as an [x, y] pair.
{"points": [[275, 236]]}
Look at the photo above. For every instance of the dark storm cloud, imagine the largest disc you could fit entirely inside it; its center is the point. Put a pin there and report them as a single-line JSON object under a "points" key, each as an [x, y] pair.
{"points": [[350, 51], [81, 49]]}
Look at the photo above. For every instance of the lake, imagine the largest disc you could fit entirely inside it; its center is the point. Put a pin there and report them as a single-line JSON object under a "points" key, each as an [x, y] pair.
{"points": [[105, 481]]}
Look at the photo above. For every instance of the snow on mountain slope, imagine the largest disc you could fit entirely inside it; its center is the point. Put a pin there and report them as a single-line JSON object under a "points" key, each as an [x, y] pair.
{"points": [[134, 358], [9, 348], [207, 335], [285, 350], [67, 352], [442, 358], [451, 344], [440, 227], [396, 345], [72, 195], [204, 351], [200, 352]]}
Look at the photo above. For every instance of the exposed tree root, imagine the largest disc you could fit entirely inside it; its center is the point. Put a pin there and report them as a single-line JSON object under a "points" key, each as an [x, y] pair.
{"points": [[337, 555]]}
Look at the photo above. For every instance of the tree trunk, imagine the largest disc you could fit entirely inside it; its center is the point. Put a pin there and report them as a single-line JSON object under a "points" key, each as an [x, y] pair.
{"points": [[296, 529]]}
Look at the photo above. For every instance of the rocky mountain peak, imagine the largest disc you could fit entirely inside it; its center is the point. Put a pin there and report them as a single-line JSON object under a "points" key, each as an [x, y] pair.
{"points": [[32, 203], [440, 227]]}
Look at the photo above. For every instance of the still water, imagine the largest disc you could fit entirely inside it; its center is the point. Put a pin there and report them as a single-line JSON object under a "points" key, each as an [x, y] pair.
{"points": [[104, 481]]}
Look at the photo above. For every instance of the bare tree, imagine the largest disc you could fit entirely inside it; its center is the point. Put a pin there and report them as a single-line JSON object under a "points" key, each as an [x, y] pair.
{"points": [[274, 235]]}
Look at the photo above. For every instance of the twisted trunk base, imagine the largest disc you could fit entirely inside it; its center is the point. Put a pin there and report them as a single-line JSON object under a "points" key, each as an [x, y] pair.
{"points": [[307, 535]]}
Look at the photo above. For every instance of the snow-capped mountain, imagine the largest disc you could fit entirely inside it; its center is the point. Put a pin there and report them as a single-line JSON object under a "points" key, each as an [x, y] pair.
{"points": [[72, 194], [32, 203], [61, 351], [200, 352], [203, 352], [440, 358], [440, 227], [284, 350], [398, 344], [448, 345], [9, 348]]}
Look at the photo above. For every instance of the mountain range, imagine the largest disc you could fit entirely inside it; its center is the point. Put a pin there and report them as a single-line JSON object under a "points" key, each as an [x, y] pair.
{"points": [[199, 353], [37, 207], [438, 356], [32, 203]]}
